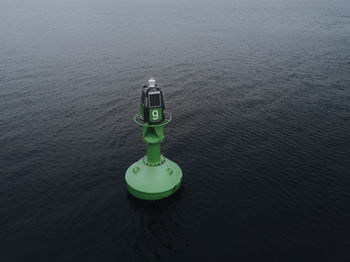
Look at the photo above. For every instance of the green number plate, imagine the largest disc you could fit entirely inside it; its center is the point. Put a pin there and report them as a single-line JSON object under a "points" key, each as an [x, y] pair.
{"points": [[155, 114]]}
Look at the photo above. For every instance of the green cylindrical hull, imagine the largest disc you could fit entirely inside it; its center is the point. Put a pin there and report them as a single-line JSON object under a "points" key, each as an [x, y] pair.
{"points": [[153, 182]]}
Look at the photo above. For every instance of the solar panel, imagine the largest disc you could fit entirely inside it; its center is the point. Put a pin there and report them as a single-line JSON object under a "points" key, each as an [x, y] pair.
{"points": [[154, 100]]}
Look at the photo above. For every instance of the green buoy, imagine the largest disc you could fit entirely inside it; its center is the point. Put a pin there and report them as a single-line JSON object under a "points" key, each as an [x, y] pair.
{"points": [[154, 176]]}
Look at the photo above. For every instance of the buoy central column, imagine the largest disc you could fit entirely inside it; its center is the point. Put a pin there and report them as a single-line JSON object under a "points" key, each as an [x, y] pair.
{"points": [[153, 137]]}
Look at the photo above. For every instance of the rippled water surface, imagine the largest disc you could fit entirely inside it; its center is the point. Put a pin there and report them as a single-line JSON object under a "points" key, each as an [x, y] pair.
{"points": [[260, 97]]}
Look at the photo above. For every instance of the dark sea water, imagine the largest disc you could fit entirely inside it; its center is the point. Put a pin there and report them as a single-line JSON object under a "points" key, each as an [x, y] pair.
{"points": [[260, 97]]}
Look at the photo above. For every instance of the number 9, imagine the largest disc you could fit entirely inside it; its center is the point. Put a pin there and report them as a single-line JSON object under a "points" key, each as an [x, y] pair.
{"points": [[155, 114]]}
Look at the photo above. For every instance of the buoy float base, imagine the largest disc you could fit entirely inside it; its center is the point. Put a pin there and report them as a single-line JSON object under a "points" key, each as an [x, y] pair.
{"points": [[153, 182]]}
